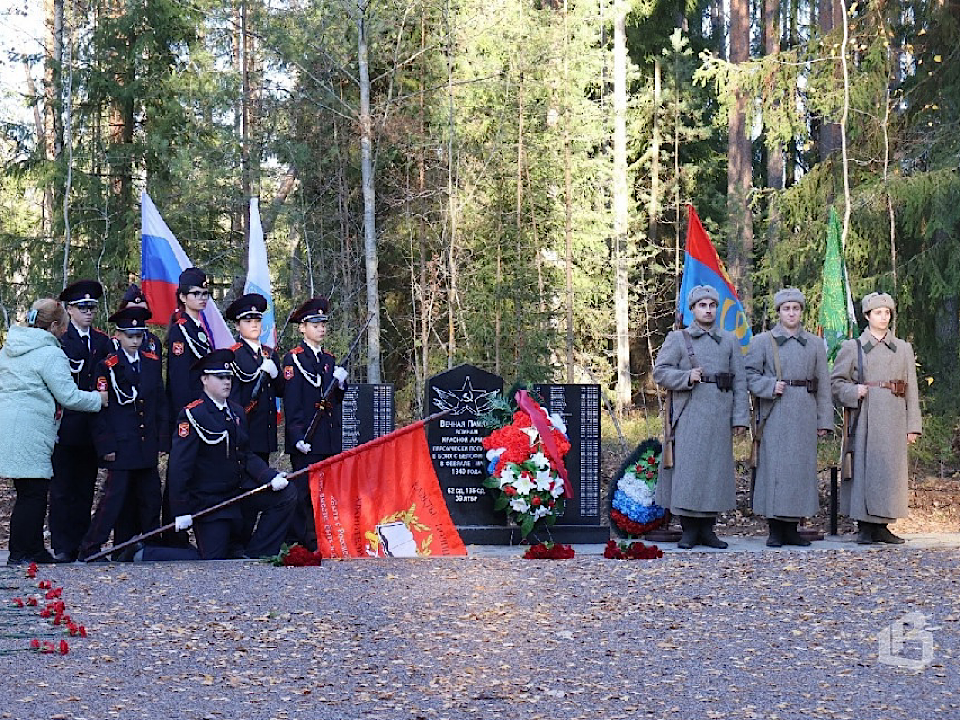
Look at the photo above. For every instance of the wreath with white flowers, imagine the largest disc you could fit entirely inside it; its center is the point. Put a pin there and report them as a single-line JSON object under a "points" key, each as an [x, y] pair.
{"points": [[633, 511]]}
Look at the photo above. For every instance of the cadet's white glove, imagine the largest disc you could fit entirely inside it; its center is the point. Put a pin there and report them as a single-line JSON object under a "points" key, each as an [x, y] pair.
{"points": [[269, 367], [182, 522], [279, 482], [340, 375], [304, 447]]}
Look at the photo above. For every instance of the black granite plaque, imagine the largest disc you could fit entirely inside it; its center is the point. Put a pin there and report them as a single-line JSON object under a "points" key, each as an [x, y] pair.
{"points": [[455, 442], [461, 464], [579, 408], [367, 412]]}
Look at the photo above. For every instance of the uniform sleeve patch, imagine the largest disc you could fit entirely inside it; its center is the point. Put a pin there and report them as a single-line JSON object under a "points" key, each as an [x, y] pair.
{"points": [[288, 372], [177, 348], [183, 429], [102, 384]]}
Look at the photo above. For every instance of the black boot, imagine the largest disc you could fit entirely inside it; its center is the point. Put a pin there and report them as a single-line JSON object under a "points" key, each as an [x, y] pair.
{"points": [[882, 534], [708, 537], [691, 530], [791, 536], [775, 539], [865, 535]]}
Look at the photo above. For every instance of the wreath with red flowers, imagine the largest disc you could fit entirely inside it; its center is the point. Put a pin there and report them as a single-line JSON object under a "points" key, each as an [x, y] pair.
{"points": [[526, 474]]}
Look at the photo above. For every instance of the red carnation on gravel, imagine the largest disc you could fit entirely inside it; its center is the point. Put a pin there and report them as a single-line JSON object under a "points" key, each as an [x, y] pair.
{"points": [[46, 647], [18, 602], [633, 551], [35, 644], [64, 648], [32, 601], [54, 593], [45, 584], [299, 556], [549, 551], [32, 570]]}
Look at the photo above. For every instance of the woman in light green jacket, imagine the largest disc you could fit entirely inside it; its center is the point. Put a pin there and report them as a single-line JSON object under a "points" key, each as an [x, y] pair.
{"points": [[35, 386]]}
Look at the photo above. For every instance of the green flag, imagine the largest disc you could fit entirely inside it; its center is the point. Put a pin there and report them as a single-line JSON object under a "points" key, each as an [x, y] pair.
{"points": [[834, 316]]}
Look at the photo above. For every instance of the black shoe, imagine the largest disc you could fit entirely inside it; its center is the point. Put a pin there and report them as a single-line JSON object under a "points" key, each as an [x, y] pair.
{"points": [[19, 560], [690, 532], [708, 537], [42, 558], [865, 534], [775, 538], [128, 553], [791, 536], [882, 534], [64, 557]]}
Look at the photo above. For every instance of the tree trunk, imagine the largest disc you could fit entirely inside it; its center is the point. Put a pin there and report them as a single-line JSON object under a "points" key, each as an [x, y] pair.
{"points": [[567, 196], [775, 155], [369, 204], [830, 15], [739, 166], [621, 296]]}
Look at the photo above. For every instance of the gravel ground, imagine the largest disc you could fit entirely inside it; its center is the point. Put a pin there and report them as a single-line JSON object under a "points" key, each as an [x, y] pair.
{"points": [[694, 635]]}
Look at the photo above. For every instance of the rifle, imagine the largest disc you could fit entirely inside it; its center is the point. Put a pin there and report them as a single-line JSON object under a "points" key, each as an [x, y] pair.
{"points": [[756, 423], [323, 405], [851, 418], [668, 430]]}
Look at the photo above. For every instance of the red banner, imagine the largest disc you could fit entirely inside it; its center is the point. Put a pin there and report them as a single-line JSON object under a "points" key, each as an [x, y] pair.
{"points": [[382, 499]]}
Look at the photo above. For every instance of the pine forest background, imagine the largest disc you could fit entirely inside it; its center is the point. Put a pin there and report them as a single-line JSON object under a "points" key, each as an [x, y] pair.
{"points": [[500, 182]]}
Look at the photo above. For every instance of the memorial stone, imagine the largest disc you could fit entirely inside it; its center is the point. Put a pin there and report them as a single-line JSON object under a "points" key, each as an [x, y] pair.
{"points": [[460, 461], [455, 442]]}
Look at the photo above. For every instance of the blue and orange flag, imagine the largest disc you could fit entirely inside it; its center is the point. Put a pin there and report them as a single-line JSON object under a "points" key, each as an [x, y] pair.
{"points": [[702, 266]]}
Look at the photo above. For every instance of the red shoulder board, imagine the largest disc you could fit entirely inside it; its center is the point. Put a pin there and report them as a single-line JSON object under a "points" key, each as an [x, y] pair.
{"points": [[111, 360], [98, 332], [297, 350], [235, 347], [149, 355], [194, 404]]}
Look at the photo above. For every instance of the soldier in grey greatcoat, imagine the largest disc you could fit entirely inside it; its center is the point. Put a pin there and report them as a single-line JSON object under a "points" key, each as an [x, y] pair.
{"points": [[702, 365], [877, 373], [788, 377]]}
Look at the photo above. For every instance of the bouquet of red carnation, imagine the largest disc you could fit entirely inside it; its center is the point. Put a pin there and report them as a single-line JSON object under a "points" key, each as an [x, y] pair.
{"points": [[631, 551], [296, 556], [549, 551]]}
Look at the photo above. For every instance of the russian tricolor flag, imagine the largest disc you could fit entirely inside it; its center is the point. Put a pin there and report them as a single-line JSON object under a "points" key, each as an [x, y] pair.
{"points": [[161, 262], [702, 266], [258, 275]]}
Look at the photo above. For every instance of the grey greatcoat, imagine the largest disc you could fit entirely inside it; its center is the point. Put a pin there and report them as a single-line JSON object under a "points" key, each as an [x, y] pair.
{"points": [[878, 490], [786, 486], [701, 482]]}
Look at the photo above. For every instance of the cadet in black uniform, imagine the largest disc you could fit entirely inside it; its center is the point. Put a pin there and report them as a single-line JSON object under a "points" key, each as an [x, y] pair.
{"points": [[257, 380], [211, 461], [134, 297], [129, 434], [188, 340], [74, 456], [309, 371]]}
